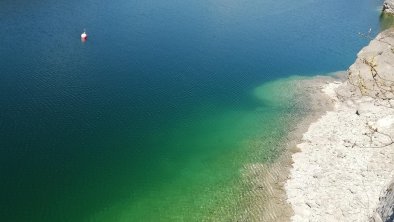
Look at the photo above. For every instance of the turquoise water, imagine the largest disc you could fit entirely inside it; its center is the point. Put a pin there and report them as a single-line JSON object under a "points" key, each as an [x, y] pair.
{"points": [[156, 115]]}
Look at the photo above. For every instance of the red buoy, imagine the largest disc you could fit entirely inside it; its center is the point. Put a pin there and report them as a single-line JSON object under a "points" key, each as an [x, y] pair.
{"points": [[84, 36]]}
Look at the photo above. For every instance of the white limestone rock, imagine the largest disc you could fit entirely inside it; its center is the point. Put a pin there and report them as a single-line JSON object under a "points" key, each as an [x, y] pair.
{"points": [[388, 6], [372, 74], [346, 160]]}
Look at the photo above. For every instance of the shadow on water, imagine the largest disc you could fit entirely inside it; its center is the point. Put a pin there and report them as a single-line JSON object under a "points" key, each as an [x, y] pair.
{"points": [[386, 21]]}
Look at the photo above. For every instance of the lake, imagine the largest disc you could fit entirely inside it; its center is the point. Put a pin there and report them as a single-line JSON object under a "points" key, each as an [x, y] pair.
{"points": [[153, 117]]}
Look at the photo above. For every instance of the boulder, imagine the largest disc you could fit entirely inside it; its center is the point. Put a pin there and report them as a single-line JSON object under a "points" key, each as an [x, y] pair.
{"points": [[388, 6], [372, 74]]}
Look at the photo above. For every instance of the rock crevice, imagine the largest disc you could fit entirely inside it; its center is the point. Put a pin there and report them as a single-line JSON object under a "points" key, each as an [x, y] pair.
{"points": [[384, 211]]}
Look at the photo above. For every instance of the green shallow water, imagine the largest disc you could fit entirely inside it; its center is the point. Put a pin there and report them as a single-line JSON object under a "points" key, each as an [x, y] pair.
{"points": [[208, 184], [386, 21]]}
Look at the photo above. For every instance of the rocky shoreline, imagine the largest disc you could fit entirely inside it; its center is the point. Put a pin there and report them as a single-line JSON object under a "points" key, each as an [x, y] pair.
{"points": [[265, 181], [388, 6], [345, 168]]}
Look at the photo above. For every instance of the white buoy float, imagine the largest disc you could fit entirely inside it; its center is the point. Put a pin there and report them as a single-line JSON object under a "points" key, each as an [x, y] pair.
{"points": [[84, 36]]}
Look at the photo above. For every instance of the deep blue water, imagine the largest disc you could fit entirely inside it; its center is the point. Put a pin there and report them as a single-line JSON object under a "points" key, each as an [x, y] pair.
{"points": [[86, 126]]}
